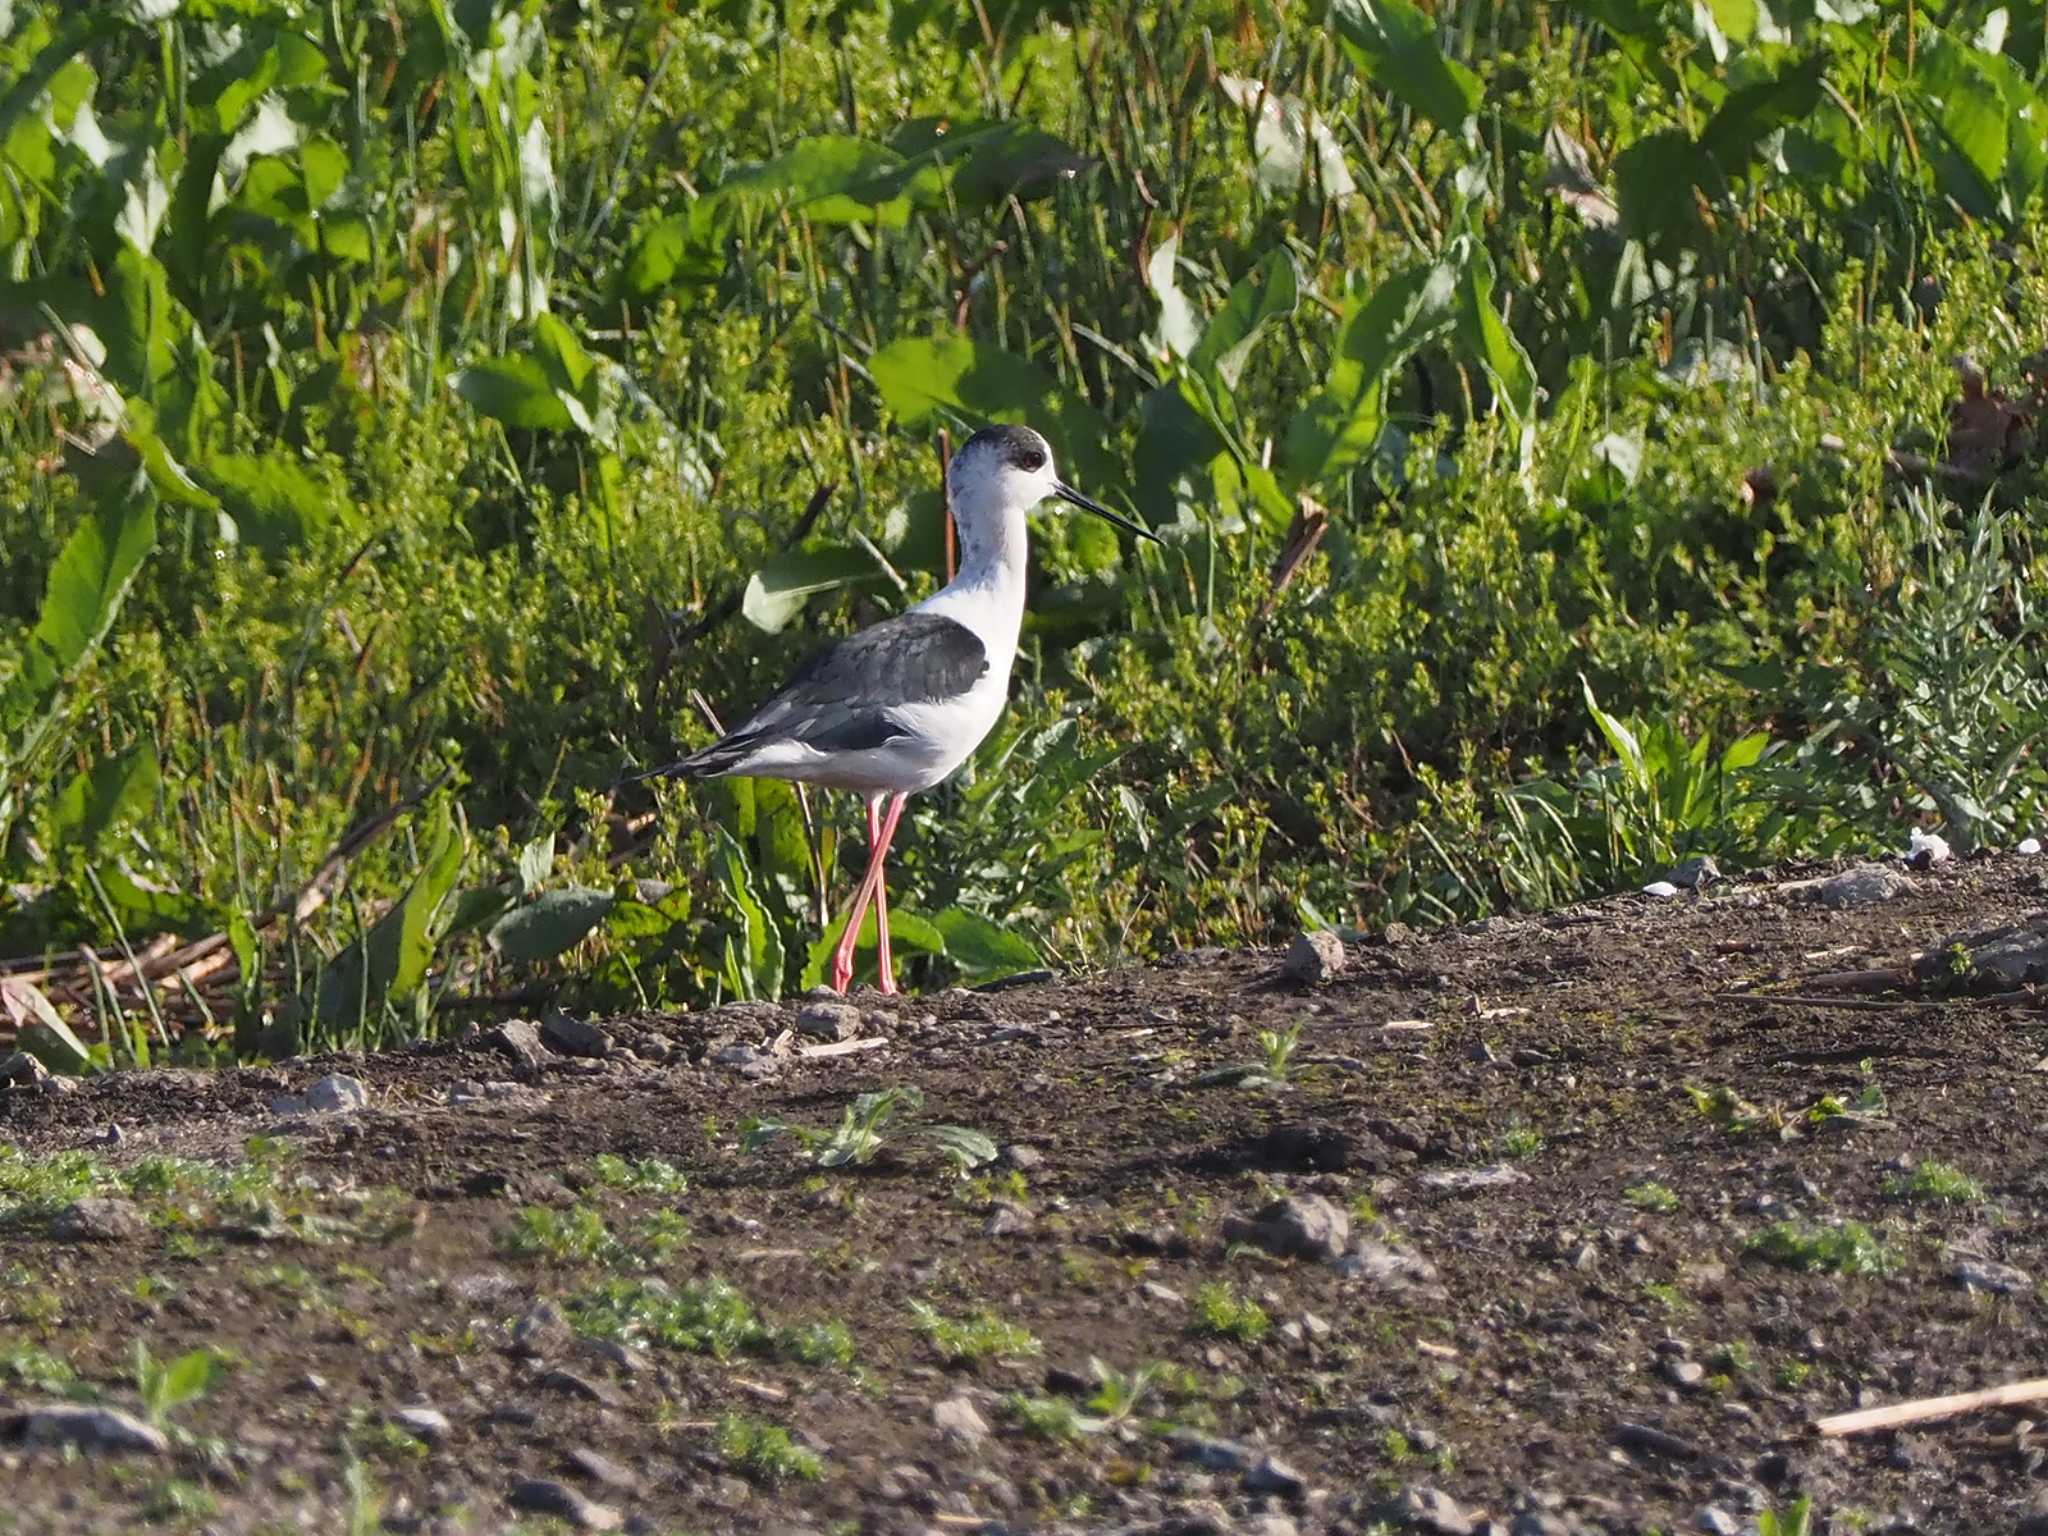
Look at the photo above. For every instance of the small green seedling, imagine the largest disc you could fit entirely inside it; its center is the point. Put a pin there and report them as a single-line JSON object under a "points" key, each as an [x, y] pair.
{"points": [[1220, 1311], [165, 1388], [766, 1451], [1936, 1181], [859, 1135], [1850, 1249], [1651, 1196]]}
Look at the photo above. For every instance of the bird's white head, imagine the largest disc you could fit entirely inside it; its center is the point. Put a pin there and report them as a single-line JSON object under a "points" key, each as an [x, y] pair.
{"points": [[1001, 473]]}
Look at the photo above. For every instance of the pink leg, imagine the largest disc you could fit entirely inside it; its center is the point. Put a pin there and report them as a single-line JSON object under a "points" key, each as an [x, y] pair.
{"points": [[884, 967], [870, 882]]}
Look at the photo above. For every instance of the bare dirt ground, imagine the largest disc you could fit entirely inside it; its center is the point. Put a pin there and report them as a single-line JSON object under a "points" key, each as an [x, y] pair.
{"points": [[1596, 1263]]}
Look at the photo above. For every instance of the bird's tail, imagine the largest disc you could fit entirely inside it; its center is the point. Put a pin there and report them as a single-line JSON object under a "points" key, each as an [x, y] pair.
{"points": [[708, 763]]}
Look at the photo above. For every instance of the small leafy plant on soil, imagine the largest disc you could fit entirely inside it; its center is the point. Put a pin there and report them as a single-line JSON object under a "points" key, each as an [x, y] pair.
{"points": [[1651, 1196], [1220, 1311], [1850, 1249], [981, 1335], [766, 1451], [642, 1176], [165, 1387], [859, 1137], [1935, 1181], [703, 1317]]}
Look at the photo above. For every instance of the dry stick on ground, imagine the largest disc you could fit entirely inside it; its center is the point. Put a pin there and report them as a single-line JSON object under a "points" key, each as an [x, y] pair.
{"points": [[1922, 1409]]}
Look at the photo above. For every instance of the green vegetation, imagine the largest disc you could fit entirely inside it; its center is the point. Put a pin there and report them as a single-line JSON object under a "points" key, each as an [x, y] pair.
{"points": [[971, 1340], [1849, 1249], [166, 1386], [642, 1176], [766, 1451], [1936, 1181], [1652, 1196], [859, 1136], [407, 415], [702, 1317], [1219, 1310]]}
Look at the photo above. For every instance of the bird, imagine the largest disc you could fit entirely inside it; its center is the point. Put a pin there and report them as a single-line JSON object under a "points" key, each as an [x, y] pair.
{"points": [[891, 710]]}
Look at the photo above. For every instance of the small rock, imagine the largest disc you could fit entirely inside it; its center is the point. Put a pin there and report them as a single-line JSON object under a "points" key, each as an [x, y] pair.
{"points": [[99, 1219], [1696, 873], [1660, 888], [2028, 845], [1022, 1158], [1269, 1474], [1165, 1295], [1657, 1442], [1541, 1522], [1007, 1219], [1314, 957], [829, 1021], [517, 1038], [1685, 1373], [1304, 1226], [574, 1037], [1987, 1275], [1459, 1181], [1209, 1451], [1378, 1264], [602, 1470], [541, 1331], [569, 1382], [92, 1429], [1716, 1521], [428, 1424], [624, 1358], [1422, 1508], [957, 1419], [1862, 886], [540, 1497], [335, 1094], [1267, 1525], [21, 1070]]}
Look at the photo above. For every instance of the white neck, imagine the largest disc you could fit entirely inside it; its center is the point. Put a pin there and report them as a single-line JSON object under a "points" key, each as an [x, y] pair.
{"points": [[988, 593]]}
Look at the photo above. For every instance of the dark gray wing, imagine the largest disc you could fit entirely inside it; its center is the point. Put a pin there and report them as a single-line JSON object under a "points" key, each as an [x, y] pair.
{"points": [[839, 700]]}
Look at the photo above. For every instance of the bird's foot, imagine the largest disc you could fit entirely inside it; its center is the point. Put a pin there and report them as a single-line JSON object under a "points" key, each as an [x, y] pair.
{"points": [[842, 973]]}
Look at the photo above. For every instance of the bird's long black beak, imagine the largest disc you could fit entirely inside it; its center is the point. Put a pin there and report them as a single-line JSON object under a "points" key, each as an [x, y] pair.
{"points": [[1067, 493]]}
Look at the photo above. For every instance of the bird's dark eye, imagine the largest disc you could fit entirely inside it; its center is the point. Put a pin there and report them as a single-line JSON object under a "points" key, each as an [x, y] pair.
{"points": [[1027, 457]]}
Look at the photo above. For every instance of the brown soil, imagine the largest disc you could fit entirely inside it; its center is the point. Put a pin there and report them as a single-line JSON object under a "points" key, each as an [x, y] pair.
{"points": [[1570, 1300]]}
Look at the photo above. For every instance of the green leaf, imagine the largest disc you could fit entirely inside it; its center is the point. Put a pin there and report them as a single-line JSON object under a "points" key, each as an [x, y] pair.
{"points": [[920, 376], [145, 910], [683, 248], [1656, 180], [1178, 328], [1287, 137], [1267, 293], [777, 592], [1340, 424], [1752, 113], [536, 860], [391, 960], [981, 948], [838, 179], [756, 962], [556, 921], [1014, 160], [1745, 752], [86, 588], [97, 801], [1395, 43], [188, 1377], [29, 1011], [969, 1149], [1485, 335], [515, 390], [275, 503]]}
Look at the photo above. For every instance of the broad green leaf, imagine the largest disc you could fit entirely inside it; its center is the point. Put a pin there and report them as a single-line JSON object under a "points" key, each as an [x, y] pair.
{"points": [[323, 166], [1970, 116], [536, 861], [968, 1148], [683, 248], [569, 367], [1754, 112], [981, 948], [1178, 328], [86, 587], [1340, 424], [756, 962], [145, 910], [837, 179], [515, 390], [909, 933], [554, 922], [1395, 43], [97, 801], [1745, 752], [1266, 293], [34, 1015], [1485, 335], [920, 376], [389, 962], [1287, 138], [188, 1377], [1657, 181], [1012, 161], [777, 592], [144, 203], [275, 502]]}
